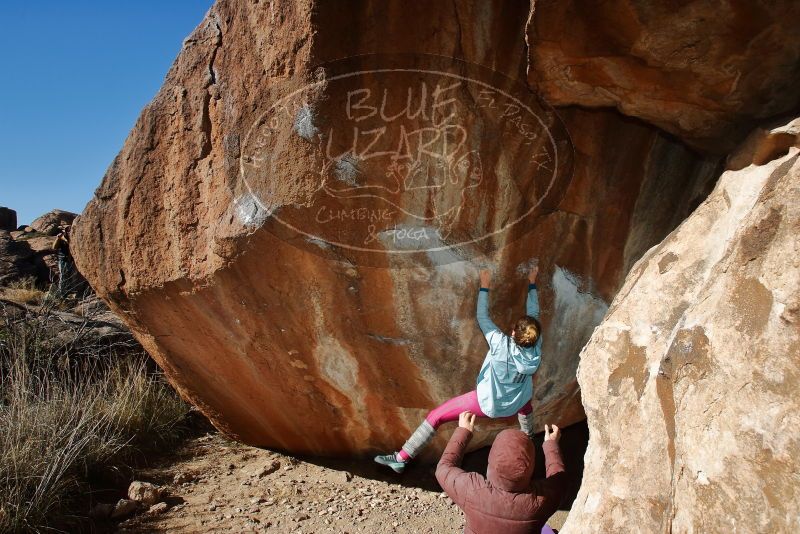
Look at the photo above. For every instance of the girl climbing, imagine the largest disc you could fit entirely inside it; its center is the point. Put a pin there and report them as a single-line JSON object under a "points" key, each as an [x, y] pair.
{"points": [[504, 384]]}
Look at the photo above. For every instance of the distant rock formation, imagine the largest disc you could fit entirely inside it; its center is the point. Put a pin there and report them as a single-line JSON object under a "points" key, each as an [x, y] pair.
{"points": [[27, 252], [49, 223], [690, 382], [15, 259], [8, 219]]}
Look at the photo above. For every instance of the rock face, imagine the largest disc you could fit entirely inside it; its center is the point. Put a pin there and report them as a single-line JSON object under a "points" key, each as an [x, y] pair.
{"points": [[16, 259], [690, 382], [704, 71], [765, 144], [8, 219], [206, 237], [49, 222]]}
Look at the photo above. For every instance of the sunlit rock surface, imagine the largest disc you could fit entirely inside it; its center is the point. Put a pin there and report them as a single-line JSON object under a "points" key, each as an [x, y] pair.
{"points": [[690, 382]]}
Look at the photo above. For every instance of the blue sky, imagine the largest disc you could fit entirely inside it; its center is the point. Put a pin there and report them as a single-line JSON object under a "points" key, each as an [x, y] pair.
{"points": [[75, 76]]}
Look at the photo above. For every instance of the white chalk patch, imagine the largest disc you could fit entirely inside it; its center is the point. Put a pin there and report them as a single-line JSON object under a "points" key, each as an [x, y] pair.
{"points": [[454, 270], [654, 367], [447, 260], [304, 123], [526, 266], [347, 170], [249, 211], [338, 366], [319, 242]]}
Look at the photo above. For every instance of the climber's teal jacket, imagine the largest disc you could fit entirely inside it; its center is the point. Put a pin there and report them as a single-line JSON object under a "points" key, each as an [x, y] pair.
{"points": [[504, 382]]}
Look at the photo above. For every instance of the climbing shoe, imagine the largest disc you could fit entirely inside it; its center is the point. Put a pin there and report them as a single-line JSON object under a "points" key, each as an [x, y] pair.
{"points": [[392, 461]]}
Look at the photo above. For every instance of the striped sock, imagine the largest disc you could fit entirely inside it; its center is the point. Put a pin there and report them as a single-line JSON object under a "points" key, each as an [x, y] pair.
{"points": [[526, 423], [418, 440]]}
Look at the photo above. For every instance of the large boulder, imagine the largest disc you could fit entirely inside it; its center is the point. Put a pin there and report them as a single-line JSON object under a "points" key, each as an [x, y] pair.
{"points": [[690, 382], [16, 259], [50, 222], [707, 72], [289, 331]]}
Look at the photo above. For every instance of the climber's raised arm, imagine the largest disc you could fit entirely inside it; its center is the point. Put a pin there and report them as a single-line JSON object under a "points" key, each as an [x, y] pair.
{"points": [[532, 304], [486, 324]]}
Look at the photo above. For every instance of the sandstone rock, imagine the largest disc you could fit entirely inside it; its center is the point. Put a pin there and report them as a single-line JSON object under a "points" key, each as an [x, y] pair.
{"points": [[16, 259], [124, 508], [49, 222], [158, 508], [41, 244], [690, 382], [705, 71], [274, 334], [144, 492], [8, 219], [765, 144]]}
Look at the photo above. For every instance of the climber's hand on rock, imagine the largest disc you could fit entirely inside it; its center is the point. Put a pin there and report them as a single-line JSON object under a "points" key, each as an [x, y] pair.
{"points": [[552, 433], [467, 420], [486, 277]]}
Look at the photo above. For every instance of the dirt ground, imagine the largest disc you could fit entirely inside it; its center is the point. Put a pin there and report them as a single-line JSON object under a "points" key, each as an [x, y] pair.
{"points": [[216, 485]]}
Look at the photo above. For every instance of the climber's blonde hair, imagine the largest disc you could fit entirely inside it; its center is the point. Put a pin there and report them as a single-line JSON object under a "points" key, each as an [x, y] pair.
{"points": [[526, 331]]}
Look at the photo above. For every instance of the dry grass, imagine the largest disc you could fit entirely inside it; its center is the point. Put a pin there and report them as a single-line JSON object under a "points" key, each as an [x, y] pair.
{"points": [[23, 291], [65, 414]]}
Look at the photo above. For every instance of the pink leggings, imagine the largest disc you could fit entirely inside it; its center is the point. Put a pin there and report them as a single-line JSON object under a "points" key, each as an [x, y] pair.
{"points": [[450, 410]]}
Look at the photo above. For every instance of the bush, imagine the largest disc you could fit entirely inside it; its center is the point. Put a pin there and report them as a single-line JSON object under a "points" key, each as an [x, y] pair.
{"points": [[65, 417]]}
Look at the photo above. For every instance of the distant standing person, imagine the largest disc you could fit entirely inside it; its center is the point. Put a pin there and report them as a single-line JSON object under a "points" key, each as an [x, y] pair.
{"points": [[504, 385], [508, 500], [61, 246]]}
